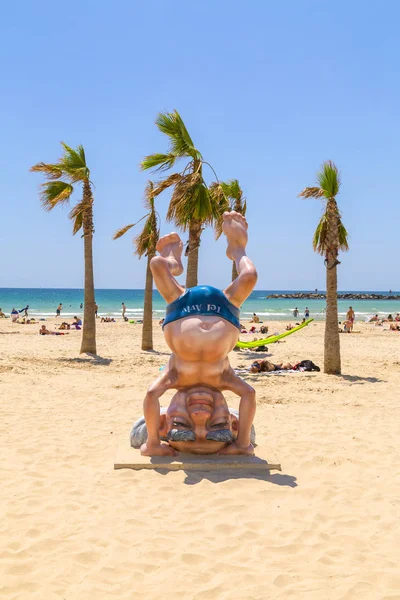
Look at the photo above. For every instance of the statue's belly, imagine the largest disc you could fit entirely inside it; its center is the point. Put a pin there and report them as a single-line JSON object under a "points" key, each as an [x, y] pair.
{"points": [[201, 338]]}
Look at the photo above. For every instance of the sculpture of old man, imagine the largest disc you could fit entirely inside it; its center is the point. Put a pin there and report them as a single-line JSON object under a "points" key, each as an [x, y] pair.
{"points": [[201, 328]]}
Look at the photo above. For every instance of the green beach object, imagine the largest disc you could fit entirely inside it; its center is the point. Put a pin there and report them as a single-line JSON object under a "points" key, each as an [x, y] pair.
{"points": [[273, 338]]}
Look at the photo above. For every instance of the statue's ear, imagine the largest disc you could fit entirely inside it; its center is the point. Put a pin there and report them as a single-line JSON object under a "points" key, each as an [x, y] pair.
{"points": [[163, 426], [235, 425]]}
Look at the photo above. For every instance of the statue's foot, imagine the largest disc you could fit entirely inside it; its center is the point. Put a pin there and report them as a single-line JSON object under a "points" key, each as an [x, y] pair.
{"points": [[170, 247], [235, 228]]}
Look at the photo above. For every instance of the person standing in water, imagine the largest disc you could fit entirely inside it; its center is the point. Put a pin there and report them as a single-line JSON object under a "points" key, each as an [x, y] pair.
{"points": [[306, 313], [59, 309], [123, 310], [351, 318], [296, 312]]}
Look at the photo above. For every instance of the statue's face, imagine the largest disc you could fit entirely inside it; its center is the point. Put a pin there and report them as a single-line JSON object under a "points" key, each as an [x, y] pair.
{"points": [[198, 421]]}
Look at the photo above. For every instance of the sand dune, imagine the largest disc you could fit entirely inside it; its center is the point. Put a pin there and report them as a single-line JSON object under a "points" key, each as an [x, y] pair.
{"points": [[73, 528]]}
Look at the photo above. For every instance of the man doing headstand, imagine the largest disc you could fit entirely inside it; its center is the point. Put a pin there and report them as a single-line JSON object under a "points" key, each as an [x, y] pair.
{"points": [[201, 328]]}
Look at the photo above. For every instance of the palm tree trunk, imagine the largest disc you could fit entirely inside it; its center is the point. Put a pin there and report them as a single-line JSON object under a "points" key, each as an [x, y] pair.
{"points": [[234, 271], [89, 320], [238, 207], [332, 364], [147, 332], [193, 257]]}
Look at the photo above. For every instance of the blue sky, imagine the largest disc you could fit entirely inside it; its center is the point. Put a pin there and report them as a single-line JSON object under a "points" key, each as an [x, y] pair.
{"points": [[268, 90]]}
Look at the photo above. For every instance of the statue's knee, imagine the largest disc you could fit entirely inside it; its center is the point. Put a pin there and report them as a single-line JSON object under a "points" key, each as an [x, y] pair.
{"points": [[158, 264], [250, 277]]}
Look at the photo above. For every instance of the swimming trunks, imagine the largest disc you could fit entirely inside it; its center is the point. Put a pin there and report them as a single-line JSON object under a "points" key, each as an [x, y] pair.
{"points": [[202, 300]]}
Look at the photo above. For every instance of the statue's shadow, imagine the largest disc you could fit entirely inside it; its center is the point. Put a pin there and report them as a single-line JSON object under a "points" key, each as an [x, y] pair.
{"points": [[193, 477]]}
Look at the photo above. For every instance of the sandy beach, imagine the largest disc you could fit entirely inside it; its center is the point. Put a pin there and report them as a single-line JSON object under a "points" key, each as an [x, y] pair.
{"points": [[73, 528]]}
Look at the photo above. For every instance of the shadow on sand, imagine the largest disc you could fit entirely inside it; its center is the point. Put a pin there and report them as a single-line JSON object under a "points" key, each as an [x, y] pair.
{"points": [[360, 380], [90, 359], [193, 477]]}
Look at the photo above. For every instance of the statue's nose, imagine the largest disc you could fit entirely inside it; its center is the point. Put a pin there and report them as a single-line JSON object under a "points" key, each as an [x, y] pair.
{"points": [[200, 416]]}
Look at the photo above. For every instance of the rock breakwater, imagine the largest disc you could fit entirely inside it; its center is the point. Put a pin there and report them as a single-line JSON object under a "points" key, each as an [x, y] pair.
{"points": [[347, 296]]}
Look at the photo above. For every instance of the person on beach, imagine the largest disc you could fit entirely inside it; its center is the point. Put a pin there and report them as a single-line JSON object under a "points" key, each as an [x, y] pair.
{"points": [[123, 311], [44, 331], [96, 308], [374, 319], [255, 319], [201, 327], [24, 310], [14, 315], [350, 318], [59, 309], [397, 317], [2, 315], [77, 323], [265, 366]]}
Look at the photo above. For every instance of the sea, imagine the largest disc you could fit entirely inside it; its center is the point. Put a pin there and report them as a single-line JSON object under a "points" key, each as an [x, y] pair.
{"points": [[44, 301]]}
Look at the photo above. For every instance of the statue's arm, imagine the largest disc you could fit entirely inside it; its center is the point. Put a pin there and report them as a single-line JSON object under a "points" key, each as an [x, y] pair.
{"points": [[151, 411], [247, 410]]}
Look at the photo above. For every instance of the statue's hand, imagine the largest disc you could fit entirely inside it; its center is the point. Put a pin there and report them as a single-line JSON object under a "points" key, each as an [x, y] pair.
{"points": [[235, 449], [157, 450]]}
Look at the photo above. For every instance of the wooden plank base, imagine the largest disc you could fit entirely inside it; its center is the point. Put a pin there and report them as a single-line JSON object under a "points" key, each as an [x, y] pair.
{"points": [[129, 458]]}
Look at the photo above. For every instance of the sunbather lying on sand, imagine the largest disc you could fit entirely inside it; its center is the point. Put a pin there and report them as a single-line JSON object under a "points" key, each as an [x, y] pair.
{"points": [[265, 366], [44, 331], [201, 327]]}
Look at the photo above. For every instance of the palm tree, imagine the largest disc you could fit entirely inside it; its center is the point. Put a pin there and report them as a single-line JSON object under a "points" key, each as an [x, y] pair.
{"points": [[145, 245], [192, 207], [329, 238], [229, 192], [70, 169]]}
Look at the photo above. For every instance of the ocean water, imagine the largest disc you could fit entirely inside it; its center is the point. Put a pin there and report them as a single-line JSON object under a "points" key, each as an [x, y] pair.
{"points": [[44, 301]]}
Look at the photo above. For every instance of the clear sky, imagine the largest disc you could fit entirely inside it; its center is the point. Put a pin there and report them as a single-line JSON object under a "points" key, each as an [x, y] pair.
{"points": [[267, 89]]}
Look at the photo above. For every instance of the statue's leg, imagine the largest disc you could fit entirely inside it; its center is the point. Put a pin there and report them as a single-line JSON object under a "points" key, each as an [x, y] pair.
{"points": [[235, 229], [168, 264]]}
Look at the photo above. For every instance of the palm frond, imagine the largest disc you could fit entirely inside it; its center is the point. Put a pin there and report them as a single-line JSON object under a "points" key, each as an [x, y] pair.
{"points": [[51, 171], [164, 184], [311, 192], [142, 241], [146, 241], [120, 232], [233, 188], [78, 222], [194, 202], [320, 235], [219, 193], [73, 163], [79, 209], [81, 151], [172, 125], [343, 237], [329, 179], [54, 193], [163, 162], [149, 196]]}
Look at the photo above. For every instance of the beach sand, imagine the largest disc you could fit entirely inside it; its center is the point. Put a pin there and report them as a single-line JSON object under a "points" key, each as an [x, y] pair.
{"points": [[72, 528]]}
